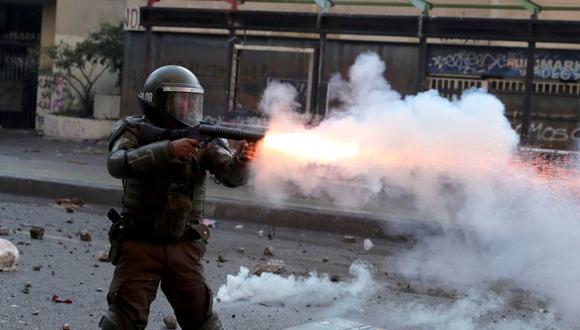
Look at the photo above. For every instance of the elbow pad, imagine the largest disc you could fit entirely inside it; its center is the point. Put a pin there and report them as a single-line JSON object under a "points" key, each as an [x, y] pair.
{"points": [[117, 164]]}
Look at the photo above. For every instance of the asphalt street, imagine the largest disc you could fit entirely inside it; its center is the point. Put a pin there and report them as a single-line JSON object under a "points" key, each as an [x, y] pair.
{"points": [[64, 265]]}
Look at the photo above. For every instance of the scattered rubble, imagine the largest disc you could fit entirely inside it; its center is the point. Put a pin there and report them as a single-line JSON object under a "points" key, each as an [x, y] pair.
{"points": [[102, 256], [170, 322], [348, 239], [36, 268], [58, 300], [8, 256], [239, 227], [76, 202], [260, 233], [240, 250], [36, 232], [85, 236], [69, 204], [4, 231], [275, 266], [367, 244], [272, 233], [220, 258], [75, 161], [66, 326], [269, 251], [70, 220]]}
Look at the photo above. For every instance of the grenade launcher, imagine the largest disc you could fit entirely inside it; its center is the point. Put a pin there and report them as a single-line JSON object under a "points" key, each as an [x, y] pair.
{"points": [[203, 132]]}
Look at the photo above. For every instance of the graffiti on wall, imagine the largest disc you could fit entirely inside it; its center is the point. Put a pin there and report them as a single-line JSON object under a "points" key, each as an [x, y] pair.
{"points": [[506, 62], [552, 134]]}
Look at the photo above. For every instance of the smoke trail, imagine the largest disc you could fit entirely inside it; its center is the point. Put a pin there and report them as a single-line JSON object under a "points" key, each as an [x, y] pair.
{"points": [[312, 289], [455, 162]]}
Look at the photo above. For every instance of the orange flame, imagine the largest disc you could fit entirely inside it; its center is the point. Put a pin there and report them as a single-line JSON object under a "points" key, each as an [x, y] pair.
{"points": [[310, 147]]}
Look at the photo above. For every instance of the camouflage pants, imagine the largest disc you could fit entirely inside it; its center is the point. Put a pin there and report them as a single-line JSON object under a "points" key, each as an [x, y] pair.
{"points": [[176, 266]]}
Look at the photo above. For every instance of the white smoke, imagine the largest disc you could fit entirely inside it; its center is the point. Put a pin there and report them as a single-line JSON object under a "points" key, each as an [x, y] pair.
{"points": [[313, 289], [476, 311], [456, 163]]}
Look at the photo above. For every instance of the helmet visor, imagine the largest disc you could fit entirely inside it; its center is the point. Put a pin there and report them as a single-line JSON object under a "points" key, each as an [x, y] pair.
{"points": [[186, 107]]}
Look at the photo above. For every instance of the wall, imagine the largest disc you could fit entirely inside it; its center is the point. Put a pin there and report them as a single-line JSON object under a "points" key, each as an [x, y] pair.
{"points": [[70, 21], [206, 56], [77, 18]]}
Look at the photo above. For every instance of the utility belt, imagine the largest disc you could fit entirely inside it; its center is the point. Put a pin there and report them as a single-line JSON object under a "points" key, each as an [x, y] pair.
{"points": [[133, 226]]}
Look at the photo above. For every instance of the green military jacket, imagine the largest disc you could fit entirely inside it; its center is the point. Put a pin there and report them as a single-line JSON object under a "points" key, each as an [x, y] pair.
{"points": [[158, 189]]}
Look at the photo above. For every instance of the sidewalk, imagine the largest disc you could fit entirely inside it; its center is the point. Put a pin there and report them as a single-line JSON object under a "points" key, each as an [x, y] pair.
{"points": [[34, 166]]}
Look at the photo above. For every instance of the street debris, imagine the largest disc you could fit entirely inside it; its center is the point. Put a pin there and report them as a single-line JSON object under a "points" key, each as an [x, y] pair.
{"points": [[260, 233], [170, 322], [36, 232], [70, 220], [58, 300], [4, 231], [367, 244], [69, 204], [209, 222], [102, 256], [275, 266], [66, 326], [239, 227], [272, 232], [73, 202], [348, 239], [220, 258], [8, 256], [36, 268], [85, 236], [269, 251], [240, 250], [74, 161]]}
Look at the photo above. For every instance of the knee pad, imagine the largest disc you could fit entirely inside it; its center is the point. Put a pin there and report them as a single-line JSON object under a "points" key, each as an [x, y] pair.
{"points": [[116, 320], [212, 323]]}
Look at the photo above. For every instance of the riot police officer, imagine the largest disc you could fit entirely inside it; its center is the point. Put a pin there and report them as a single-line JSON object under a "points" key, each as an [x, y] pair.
{"points": [[159, 239]]}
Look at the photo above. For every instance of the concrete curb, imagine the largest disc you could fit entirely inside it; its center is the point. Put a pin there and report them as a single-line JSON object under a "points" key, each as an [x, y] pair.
{"points": [[361, 225]]}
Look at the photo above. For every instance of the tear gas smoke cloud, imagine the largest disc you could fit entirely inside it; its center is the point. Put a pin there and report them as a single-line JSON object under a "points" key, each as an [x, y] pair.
{"points": [[485, 311], [312, 289], [455, 161]]}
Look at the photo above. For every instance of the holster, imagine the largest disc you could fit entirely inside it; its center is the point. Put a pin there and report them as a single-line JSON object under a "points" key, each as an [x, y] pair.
{"points": [[197, 232], [116, 235]]}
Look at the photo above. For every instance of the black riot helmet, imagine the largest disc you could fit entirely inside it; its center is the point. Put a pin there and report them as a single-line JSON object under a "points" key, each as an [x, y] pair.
{"points": [[172, 96]]}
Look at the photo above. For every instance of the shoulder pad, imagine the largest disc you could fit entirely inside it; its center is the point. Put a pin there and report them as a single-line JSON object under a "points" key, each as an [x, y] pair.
{"points": [[135, 120], [120, 125]]}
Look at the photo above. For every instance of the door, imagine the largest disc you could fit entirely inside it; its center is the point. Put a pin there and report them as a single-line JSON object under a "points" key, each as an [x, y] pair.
{"points": [[19, 41]]}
